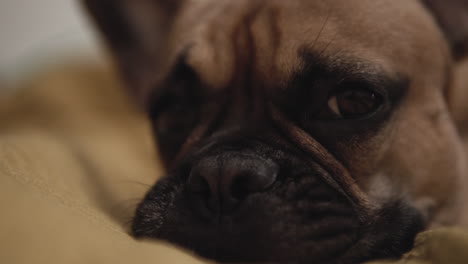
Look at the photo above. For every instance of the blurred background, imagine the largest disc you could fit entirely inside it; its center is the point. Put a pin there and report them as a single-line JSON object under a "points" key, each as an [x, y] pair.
{"points": [[38, 34]]}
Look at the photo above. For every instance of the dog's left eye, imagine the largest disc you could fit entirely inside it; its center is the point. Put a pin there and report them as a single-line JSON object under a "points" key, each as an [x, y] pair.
{"points": [[354, 103]]}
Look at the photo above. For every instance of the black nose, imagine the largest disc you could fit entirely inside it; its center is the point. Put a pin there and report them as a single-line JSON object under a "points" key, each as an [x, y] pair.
{"points": [[223, 182]]}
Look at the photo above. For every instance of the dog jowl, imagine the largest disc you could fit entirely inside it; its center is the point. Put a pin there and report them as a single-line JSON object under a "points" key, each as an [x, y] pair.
{"points": [[297, 131]]}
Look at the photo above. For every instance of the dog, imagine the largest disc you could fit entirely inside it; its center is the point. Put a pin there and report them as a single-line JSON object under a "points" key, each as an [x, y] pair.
{"points": [[299, 131]]}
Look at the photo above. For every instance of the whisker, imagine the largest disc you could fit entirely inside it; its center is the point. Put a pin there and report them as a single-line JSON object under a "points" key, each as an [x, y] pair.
{"points": [[127, 223], [328, 45], [322, 27], [137, 183]]}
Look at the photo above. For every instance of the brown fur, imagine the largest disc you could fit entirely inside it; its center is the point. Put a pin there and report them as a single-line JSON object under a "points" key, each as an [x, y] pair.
{"points": [[255, 44]]}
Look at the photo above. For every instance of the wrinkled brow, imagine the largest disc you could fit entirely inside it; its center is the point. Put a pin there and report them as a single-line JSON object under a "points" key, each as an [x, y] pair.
{"points": [[344, 68], [319, 76]]}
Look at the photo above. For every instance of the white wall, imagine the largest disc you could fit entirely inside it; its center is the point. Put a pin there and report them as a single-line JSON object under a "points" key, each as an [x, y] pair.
{"points": [[38, 33]]}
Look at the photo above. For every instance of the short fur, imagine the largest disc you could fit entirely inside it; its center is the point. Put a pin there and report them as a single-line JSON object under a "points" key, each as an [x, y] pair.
{"points": [[228, 84]]}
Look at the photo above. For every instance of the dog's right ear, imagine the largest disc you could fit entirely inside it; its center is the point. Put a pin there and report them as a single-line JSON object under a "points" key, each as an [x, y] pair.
{"points": [[136, 31]]}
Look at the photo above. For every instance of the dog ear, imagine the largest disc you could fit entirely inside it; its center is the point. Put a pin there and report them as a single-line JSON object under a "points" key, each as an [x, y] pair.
{"points": [[136, 31], [452, 16]]}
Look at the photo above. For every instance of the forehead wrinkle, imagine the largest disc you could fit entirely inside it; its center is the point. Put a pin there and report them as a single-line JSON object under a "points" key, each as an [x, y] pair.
{"points": [[267, 38], [346, 67], [342, 64], [338, 174]]}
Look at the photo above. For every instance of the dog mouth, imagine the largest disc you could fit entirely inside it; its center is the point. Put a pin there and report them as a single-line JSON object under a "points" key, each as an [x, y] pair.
{"points": [[299, 219], [267, 227]]}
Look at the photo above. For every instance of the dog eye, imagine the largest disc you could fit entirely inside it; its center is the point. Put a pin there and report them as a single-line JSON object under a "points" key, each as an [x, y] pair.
{"points": [[354, 103], [177, 118], [176, 110]]}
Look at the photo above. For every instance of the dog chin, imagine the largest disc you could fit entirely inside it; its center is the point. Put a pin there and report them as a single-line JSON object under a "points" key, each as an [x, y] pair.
{"points": [[300, 219]]}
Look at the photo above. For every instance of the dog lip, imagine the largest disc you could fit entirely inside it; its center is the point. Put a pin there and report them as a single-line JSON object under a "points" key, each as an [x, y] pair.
{"points": [[149, 217], [165, 214], [223, 242], [220, 235], [390, 234], [323, 172]]}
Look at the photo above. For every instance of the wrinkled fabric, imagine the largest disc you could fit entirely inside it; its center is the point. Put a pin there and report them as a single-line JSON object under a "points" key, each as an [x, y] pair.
{"points": [[76, 157]]}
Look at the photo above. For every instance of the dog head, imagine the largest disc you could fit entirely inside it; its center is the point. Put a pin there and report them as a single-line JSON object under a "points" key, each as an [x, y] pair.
{"points": [[296, 130]]}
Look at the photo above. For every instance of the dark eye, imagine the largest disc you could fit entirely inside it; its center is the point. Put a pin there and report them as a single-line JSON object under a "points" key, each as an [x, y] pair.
{"points": [[354, 103], [176, 110], [177, 118]]}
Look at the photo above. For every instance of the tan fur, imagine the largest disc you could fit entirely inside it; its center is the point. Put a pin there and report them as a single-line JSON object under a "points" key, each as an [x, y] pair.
{"points": [[429, 172], [419, 151]]}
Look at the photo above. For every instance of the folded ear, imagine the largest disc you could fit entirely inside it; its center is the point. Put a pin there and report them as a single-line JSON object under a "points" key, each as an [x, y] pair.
{"points": [[136, 32], [452, 16]]}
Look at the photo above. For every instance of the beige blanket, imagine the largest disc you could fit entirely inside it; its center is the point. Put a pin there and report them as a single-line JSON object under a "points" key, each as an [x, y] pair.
{"points": [[75, 158]]}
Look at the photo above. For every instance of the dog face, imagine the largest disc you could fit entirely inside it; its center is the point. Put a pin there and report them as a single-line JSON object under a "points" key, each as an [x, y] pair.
{"points": [[294, 131]]}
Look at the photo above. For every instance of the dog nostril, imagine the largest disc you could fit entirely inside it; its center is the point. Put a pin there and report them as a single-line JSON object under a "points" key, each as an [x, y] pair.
{"points": [[200, 187], [249, 183], [239, 188], [222, 186], [198, 184]]}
